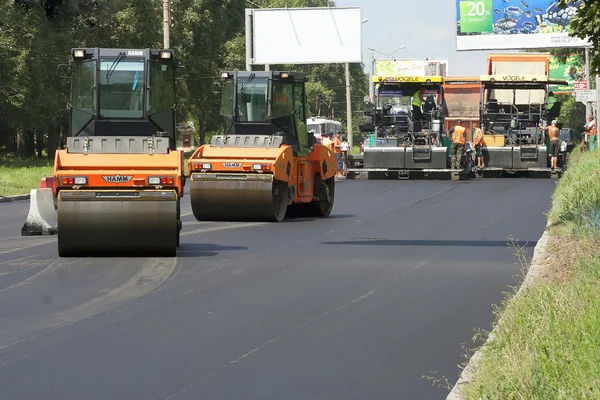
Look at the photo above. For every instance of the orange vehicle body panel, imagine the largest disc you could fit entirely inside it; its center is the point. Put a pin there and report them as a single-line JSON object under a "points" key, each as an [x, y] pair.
{"points": [[139, 166], [462, 95], [240, 160], [533, 58]]}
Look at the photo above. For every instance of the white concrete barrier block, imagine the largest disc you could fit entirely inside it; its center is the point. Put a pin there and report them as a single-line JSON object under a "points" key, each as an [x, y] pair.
{"points": [[42, 218]]}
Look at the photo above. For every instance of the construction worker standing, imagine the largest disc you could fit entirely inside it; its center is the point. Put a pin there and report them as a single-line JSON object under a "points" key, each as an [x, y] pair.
{"points": [[337, 149], [458, 143], [554, 134], [327, 142], [478, 143], [417, 101]]}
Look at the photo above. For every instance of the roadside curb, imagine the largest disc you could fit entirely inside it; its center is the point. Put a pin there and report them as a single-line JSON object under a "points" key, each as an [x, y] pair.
{"points": [[534, 271], [18, 197]]}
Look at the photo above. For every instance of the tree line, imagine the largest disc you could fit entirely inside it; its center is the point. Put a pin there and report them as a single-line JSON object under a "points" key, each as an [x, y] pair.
{"points": [[208, 36]]}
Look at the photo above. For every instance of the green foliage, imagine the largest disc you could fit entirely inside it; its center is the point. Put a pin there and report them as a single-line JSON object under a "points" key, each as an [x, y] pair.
{"points": [[585, 25], [19, 176], [572, 115], [208, 36], [577, 196], [546, 344]]}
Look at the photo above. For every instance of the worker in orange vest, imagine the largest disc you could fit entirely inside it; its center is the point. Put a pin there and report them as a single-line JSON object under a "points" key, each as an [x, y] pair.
{"points": [[478, 143], [337, 149], [457, 134]]}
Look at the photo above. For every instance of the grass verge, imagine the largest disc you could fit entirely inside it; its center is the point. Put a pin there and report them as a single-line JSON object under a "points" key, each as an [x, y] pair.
{"points": [[19, 176], [547, 344]]}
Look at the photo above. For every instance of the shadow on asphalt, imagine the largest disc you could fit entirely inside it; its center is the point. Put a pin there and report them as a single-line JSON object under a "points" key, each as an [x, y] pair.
{"points": [[292, 218], [204, 249], [431, 243]]}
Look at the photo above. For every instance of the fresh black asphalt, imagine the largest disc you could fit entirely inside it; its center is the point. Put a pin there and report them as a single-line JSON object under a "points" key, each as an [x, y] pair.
{"points": [[360, 305]]}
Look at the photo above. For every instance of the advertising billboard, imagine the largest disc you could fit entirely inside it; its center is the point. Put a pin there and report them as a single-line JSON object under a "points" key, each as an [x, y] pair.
{"points": [[312, 35], [571, 71], [514, 24], [411, 68]]}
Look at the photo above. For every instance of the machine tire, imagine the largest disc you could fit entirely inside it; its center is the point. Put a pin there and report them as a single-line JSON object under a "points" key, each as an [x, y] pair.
{"points": [[323, 207], [279, 196]]}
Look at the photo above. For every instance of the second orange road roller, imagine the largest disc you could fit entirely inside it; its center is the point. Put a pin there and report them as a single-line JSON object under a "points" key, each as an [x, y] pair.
{"points": [[266, 164], [120, 179]]}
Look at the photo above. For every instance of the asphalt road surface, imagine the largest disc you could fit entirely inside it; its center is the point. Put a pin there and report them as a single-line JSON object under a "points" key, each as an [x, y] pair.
{"points": [[360, 305]]}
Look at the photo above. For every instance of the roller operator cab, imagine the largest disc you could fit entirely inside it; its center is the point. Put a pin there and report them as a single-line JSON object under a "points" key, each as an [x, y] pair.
{"points": [[266, 164], [511, 109], [120, 179], [408, 128]]}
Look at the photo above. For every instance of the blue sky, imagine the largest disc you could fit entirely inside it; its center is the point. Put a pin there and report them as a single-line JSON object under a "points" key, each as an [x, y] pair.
{"points": [[426, 27]]}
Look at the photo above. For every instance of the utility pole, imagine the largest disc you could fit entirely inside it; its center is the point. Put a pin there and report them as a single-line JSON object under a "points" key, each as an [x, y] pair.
{"points": [[372, 74], [249, 40], [597, 106], [588, 81], [348, 106], [166, 23]]}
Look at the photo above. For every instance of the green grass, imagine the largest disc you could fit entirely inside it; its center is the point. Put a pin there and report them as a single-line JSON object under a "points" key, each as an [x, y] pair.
{"points": [[547, 345], [19, 176]]}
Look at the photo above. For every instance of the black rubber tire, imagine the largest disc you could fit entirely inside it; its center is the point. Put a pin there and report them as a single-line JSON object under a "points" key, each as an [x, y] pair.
{"points": [[280, 200], [323, 207]]}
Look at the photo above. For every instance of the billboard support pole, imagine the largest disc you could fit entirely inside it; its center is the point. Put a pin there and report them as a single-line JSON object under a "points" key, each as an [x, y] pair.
{"points": [[597, 104], [348, 107], [588, 81], [249, 36]]}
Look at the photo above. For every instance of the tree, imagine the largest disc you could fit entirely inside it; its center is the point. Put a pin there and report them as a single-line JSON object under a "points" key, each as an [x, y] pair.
{"points": [[572, 115], [585, 25]]}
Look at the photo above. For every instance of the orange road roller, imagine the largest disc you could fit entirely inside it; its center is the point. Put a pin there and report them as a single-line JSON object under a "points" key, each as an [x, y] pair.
{"points": [[120, 179], [266, 165]]}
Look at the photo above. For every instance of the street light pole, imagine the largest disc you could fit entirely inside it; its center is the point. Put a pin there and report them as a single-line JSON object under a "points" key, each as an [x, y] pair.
{"points": [[349, 102], [588, 81], [166, 23]]}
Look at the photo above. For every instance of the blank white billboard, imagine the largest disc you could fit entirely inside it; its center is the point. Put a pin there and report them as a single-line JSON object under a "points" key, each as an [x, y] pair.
{"points": [[306, 35]]}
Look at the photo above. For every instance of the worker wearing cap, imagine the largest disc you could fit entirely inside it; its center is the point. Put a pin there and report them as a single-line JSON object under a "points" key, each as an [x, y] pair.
{"points": [[478, 143], [553, 132], [457, 135]]}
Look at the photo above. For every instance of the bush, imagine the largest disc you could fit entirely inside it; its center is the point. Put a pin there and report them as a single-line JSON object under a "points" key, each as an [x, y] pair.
{"points": [[577, 196]]}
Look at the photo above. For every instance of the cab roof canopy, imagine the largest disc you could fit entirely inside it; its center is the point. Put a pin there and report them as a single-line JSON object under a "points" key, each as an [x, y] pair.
{"points": [[95, 52], [519, 81], [301, 76]]}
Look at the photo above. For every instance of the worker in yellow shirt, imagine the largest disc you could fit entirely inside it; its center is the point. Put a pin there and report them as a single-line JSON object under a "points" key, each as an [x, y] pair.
{"points": [[417, 102], [327, 142]]}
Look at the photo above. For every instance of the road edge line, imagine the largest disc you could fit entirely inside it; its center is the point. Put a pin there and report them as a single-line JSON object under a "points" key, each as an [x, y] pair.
{"points": [[533, 272]]}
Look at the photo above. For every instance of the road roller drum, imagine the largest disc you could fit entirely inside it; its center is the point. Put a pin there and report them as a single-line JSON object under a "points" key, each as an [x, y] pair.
{"points": [[104, 223], [238, 197]]}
